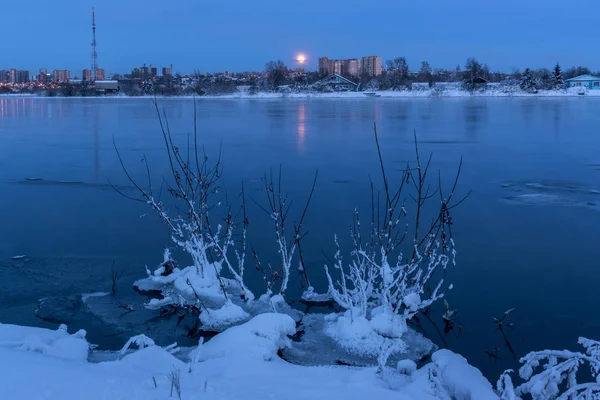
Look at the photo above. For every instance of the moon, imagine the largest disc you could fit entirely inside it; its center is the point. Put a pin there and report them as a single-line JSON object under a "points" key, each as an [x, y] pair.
{"points": [[301, 58]]}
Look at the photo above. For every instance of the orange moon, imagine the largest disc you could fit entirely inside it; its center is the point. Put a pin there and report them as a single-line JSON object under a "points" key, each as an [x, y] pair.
{"points": [[301, 58]]}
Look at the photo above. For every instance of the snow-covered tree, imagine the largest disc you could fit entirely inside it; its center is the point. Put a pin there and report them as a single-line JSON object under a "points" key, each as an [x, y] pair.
{"points": [[558, 82], [528, 82], [557, 379]]}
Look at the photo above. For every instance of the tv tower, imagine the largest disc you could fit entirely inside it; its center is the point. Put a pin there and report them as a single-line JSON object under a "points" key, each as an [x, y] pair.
{"points": [[94, 53]]}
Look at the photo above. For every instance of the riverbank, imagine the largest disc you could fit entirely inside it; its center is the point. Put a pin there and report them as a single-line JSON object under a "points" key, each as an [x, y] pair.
{"points": [[430, 93]]}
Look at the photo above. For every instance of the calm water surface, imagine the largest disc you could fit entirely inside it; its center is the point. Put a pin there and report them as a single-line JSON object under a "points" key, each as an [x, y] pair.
{"points": [[527, 237]]}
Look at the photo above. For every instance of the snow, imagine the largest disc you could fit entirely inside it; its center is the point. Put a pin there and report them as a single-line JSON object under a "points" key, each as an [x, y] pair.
{"points": [[188, 285], [56, 343], [364, 337], [461, 380], [217, 320], [240, 363], [451, 90], [316, 347], [310, 295]]}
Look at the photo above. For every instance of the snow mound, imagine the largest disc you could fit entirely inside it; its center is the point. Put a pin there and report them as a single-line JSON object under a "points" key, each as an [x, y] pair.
{"points": [[219, 319], [239, 363], [188, 286], [152, 359], [259, 338], [459, 379], [56, 343], [364, 337]]}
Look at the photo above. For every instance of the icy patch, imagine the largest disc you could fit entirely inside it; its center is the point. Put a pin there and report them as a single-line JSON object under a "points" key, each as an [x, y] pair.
{"points": [[56, 343], [260, 338], [316, 347], [86, 296], [553, 193], [219, 319]]}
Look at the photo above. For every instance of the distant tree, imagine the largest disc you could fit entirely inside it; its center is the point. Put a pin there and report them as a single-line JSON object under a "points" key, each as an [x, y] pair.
{"points": [[543, 79], [372, 85], [485, 72], [399, 73], [426, 73], [576, 71], [473, 71], [384, 80], [277, 73], [558, 82], [528, 83]]}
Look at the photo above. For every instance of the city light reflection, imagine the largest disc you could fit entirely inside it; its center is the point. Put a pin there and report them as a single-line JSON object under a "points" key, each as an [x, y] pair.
{"points": [[301, 127]]}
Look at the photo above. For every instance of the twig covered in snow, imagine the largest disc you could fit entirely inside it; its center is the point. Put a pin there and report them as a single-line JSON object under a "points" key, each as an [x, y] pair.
{"points": [[278, 209], [558, 378], [140, 341], [175, 378]]}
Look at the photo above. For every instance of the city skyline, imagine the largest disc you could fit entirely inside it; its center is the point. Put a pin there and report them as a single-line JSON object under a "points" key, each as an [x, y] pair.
{"points": [[243, 37]]}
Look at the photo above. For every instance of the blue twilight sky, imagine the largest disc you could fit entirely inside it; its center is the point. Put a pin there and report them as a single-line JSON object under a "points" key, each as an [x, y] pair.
{"points": [[239, 35]]}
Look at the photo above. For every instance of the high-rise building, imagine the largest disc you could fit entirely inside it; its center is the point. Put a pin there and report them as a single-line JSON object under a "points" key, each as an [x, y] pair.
{"points": [[3, 76], [86, 75], [99, 74], [137, 73], [12, 76], [22, 76], [351, 67], [371, 66], [61, 76], [153, 72], [324, 66], [167, 71], [43, 76]]}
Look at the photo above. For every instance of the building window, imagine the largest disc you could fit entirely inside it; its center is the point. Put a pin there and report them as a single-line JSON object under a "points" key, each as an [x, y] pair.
{"points": [[596, 84]]}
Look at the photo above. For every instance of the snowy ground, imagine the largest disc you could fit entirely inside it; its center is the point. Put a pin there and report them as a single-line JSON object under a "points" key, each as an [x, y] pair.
{"points": [[447, 92], [240, 363]]}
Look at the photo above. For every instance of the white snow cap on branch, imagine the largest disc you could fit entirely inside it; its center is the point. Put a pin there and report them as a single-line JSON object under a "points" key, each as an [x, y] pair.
{"points": [[558, 378]]}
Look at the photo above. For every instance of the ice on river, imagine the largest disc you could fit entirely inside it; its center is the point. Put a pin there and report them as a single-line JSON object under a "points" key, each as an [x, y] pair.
{"points": [[552, 193]]}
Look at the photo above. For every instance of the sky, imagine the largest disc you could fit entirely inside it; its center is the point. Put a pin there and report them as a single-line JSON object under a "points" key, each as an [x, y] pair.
{"points": [[240, 35]]}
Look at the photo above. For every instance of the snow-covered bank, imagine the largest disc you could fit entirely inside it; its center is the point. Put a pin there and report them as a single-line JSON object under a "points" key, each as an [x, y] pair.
{"points": [[240, 363], [428, 93]]}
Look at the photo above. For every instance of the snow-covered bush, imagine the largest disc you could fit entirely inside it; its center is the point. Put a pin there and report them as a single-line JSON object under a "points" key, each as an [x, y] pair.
{"points": [[552, 374], [193, 185], [397, 271], [205, 229]]}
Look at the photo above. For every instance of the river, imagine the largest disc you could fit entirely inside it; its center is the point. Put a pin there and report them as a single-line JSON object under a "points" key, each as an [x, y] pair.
{"points": [[527, 236]]}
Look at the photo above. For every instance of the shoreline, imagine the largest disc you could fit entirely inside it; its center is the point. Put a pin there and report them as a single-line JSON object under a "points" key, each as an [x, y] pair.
{"points": [[340, 95]]}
